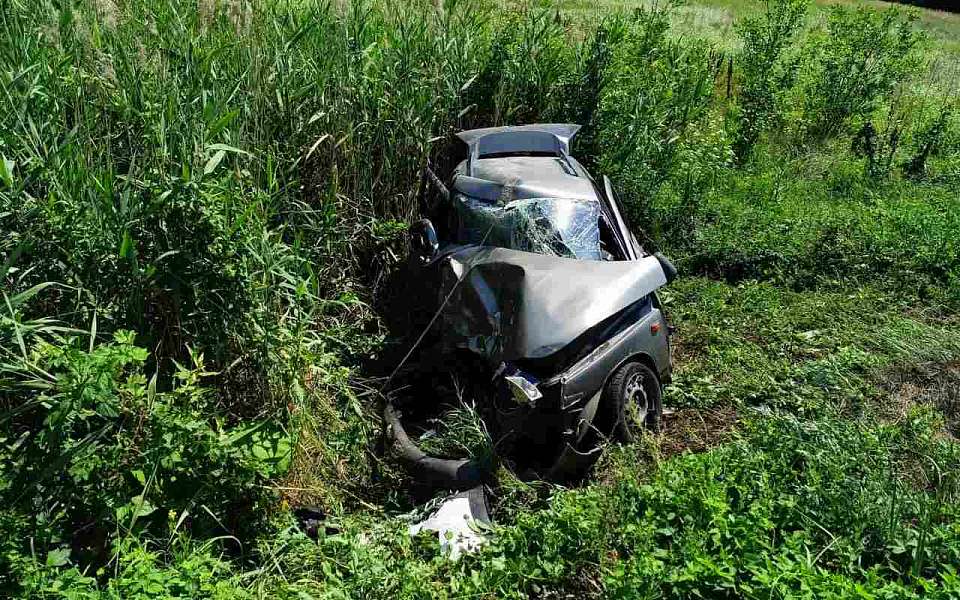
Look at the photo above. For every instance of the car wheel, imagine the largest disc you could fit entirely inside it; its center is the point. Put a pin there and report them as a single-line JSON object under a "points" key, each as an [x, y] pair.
{"points": [[633, 398]]}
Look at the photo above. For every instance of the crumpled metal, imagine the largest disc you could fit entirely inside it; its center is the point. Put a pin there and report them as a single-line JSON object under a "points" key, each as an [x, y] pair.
{"points": [[507, 305]]}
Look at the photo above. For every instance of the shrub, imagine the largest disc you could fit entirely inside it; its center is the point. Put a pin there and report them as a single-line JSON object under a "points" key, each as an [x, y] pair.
{"points": [[807, 509], [99, 451], [526, 75], [810, 508], [656, 88], [584, 97], [805, 229], [764, 74], [879, 148], [930, 140], [862, 56]]}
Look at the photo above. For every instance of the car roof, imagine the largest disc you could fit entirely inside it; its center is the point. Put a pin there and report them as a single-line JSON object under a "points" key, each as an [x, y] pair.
{"points": [[528, 161]]}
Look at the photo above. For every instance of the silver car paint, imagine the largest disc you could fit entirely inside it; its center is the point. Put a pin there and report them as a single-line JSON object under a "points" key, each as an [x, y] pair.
{"points": [[509, 305]]}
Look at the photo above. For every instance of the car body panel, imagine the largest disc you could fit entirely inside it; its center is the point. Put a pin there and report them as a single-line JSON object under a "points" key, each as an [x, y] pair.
{"points": [[518, 177], [508, 305], [536, 137], [639, 341]]}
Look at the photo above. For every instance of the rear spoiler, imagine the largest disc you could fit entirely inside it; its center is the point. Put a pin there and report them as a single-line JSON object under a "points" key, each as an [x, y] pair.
{"points": [[550, 138]]}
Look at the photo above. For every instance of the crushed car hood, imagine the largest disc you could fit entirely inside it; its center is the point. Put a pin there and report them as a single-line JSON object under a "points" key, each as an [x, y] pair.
{"points": [[508, 305]]}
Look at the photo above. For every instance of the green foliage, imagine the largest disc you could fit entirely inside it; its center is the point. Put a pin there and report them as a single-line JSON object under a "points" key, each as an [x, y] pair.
{"points": [[656, 89], [808, 509], [806, 352], [526, 74], [141, 573], [803, 223], [129, 457], [460, 431], [862, 56], [195, 192], [764, 72], [931, 139]]}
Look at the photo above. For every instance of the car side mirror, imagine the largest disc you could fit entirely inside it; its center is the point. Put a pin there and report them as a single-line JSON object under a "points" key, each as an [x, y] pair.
{"points": [[424, 243], [669, 270]]}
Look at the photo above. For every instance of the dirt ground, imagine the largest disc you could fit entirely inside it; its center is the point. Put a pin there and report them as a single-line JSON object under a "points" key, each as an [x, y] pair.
{"points": [[933, 384], [697, 430]]}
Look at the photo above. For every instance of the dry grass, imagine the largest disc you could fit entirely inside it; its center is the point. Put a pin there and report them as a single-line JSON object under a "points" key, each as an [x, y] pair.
{"points": [[933, 384], [697, 430]]}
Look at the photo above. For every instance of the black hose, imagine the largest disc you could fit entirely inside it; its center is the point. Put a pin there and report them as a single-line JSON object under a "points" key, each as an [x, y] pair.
{"points": [[458, 474]]}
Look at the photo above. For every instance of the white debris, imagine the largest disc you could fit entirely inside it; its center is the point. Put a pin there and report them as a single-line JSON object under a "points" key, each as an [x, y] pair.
{"points": [[457, 525]]}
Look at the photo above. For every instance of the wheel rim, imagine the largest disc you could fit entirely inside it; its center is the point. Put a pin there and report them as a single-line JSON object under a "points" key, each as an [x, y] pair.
{"points": [[635, 406]]}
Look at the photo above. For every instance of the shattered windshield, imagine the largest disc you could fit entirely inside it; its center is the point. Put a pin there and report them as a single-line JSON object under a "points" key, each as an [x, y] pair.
{"points": [[554, 226]]}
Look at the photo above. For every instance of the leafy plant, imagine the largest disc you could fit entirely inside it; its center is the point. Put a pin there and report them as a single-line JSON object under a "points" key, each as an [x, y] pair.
{"points": [[861, 57], [99, 432], [930, 140], [655, 90], [764, 72]]}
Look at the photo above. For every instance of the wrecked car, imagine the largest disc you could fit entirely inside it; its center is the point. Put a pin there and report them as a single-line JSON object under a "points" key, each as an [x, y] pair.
{"points": [[525, 275]]}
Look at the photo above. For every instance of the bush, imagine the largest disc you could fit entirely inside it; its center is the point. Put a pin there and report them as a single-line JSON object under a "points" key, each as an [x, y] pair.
{"points": [[140, 573], [764, 74], [810, 508], [861, 57], [127, 456], [809, 226], [655, 90], [807, 509], [526, 75], [932, 139]]}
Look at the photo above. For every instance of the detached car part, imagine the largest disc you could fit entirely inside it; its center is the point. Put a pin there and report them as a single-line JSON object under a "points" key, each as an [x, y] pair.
{"points": [[458, 474], [459, 523]]}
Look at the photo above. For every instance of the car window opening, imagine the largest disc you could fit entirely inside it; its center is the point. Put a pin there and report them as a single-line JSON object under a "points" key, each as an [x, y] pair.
{"points": [[568, 228]]}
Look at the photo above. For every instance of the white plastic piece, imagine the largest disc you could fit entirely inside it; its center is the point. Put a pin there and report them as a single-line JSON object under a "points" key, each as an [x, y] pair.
{"points": [[456, 527]]}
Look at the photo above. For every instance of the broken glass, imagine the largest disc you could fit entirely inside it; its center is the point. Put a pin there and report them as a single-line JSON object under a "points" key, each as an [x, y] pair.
{"points": [[553, 226]]}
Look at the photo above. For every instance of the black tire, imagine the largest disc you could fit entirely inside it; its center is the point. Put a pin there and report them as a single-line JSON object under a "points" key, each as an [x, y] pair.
{"points": [[632, 401]]}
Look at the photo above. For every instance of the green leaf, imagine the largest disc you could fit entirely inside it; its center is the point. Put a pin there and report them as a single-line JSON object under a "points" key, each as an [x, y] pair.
{"points": [[140, 507], [325, 136], [108, 410], [222, 123], [24, 296], [226, 148], [139, 476], [58, 557], [93, 333], [264, 443], [6, 171], [152, 390], [126, 245], [214, 162]]}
